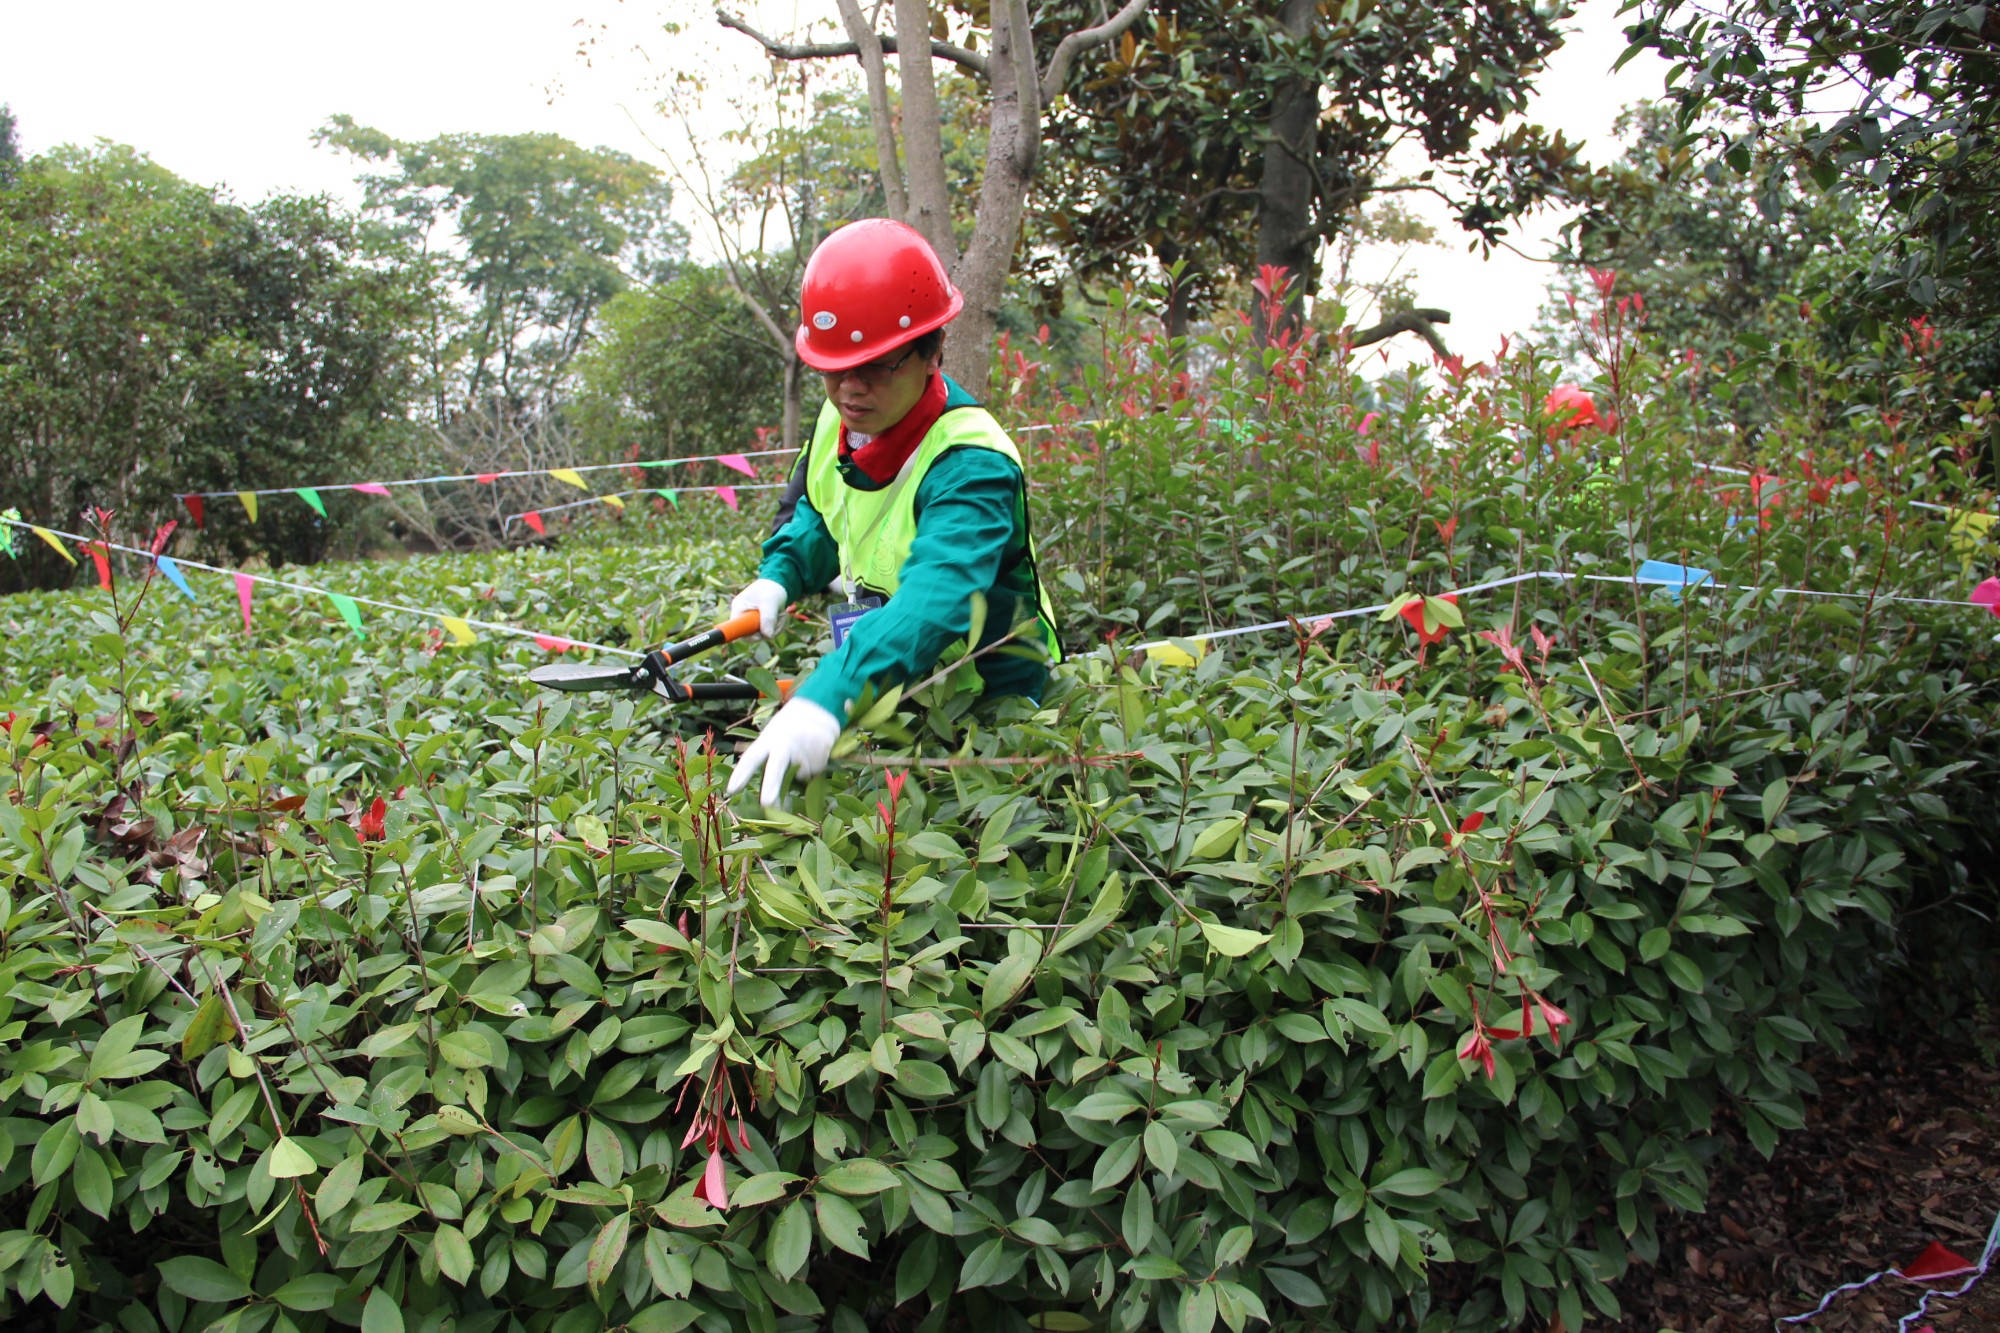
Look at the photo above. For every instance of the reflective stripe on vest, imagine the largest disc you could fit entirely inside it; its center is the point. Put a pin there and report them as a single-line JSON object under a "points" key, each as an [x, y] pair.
{"points": [[875, 529]]}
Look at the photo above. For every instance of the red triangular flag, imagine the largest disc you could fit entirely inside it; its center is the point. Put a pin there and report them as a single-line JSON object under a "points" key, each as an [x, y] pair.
{"points": [[487, 478], [195, 505], [1935, 1262], [97, 553], [553, 645], [535, 521]]}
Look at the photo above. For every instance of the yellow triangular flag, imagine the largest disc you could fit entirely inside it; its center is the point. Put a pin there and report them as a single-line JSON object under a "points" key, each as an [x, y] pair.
{"points": [[1168, 655], [54, 541], [1969, 530], [249, 500], [570, 475], [614, 502], [460, 631]]}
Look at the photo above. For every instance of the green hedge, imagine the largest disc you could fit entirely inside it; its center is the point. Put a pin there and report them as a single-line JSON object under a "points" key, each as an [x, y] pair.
{"points": [[1159, 1005]]}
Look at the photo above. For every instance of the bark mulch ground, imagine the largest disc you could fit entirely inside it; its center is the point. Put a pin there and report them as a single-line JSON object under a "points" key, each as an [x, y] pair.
{"points": [[1901, 1148]]}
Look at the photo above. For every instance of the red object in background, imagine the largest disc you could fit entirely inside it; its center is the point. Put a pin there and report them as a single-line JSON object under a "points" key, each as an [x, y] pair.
{"points": [[487, 478], [1414, 613], [373, 823], [1987, 595], [535, 521], [195, 507], [1571, 406], [1473, 822], [1935, 1262], [548, 643]]}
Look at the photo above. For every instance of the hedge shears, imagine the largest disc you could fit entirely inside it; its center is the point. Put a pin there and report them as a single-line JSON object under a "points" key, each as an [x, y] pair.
{"points": [[652, 673]]}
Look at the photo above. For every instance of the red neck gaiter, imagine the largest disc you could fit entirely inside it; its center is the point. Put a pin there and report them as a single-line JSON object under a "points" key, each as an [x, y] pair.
{"points": [[883, 457]]}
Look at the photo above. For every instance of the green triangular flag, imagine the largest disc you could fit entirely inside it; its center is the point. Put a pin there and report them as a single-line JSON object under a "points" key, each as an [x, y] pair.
{"points": [[348, 611], [311, 497], [673, 498]]}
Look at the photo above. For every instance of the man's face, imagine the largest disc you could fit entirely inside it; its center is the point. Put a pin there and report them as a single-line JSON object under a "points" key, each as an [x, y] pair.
{"points": [[876, 395]]}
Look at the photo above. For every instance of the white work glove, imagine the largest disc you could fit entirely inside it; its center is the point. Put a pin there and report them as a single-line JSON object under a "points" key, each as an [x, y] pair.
{"points": [[798, 740], [767, 598]]}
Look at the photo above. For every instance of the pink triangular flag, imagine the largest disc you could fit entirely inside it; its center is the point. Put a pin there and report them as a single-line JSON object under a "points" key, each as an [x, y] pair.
{"points": [[1935, 1262], [244, 583], [726, 494], [1987, 595], [549, 643], [487, 478], [371, 488], [739, 462]]}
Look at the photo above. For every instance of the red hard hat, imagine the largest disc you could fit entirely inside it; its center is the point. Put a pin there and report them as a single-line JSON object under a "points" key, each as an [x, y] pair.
{"points": [[870, 287]]}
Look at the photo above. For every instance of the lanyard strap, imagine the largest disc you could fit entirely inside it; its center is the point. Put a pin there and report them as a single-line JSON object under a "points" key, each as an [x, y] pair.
{"points": [[842, 542]]}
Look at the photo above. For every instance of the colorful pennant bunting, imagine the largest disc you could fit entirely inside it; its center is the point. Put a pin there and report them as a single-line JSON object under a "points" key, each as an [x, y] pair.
{"points": [[54, 541], [98, 554], [534, 521], [739, 462], [726, 494], [487, 478], [348, 612], [671, 497], [614, 501], [1674, 578], [461, 632], [371, 488], [248, 499], [165, 564], [549, 643], [1987, 594], [8, 518], [569, 476], [244, 585], [197, 509], [311, 497]]}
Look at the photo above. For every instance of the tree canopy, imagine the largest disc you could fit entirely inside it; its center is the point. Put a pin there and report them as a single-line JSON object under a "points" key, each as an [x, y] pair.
{"points": [[542, 234], [163, 338]]}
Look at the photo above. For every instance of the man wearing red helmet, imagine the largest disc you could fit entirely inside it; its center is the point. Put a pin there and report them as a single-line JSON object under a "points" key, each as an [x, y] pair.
{"points": [[915, 501]]}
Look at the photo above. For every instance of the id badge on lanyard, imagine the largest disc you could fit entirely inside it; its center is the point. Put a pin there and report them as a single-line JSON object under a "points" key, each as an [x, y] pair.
{"points": [[845, 614]]}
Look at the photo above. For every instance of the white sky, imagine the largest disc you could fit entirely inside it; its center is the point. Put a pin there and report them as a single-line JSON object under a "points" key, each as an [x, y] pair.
{"points": [[229, 92]]}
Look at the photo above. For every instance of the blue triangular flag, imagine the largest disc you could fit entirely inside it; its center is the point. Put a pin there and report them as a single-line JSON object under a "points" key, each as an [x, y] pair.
{"points": [[1673, 577], [174, 575]]}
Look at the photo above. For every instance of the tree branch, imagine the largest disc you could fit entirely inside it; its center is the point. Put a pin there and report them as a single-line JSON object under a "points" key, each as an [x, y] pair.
{"points": [[869, 47], [1082, 40], [1419, 321], [970, 61]]}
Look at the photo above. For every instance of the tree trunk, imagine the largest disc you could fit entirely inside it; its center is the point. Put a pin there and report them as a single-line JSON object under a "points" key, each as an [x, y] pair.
{"points": [[794, 386], [1285, 234], [1013, 139], [923, 130], [886, 166]]}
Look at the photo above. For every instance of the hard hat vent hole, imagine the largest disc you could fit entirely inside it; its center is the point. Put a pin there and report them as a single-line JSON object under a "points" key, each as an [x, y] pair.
{"points": [[857, 335], [904, 322]]}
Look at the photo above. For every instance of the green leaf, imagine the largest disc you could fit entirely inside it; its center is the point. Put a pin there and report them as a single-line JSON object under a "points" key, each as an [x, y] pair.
{"points": [[381, 1313], [382, 1216], [201, 1279], [309, 1292], [606, 1250], [1004, 982], [790, 1242], [1232, 941], [1214, 840], [858, 1176], [287, 1159], [210, 1026], [840, 1223], [454, 1253], [1410, 1183], [664, 1317]]}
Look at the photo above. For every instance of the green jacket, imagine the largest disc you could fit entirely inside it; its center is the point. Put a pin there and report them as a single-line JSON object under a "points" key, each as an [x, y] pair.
{"points": [[972, 535]]}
